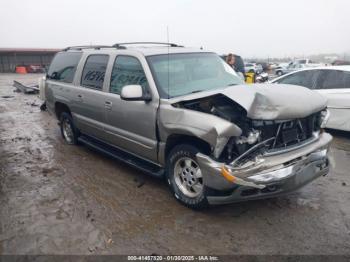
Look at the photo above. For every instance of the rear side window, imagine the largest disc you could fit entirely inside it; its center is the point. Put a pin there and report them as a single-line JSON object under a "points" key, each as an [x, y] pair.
{"points": [[94, 71], [63, 66], [127, 70], [333, 79]]}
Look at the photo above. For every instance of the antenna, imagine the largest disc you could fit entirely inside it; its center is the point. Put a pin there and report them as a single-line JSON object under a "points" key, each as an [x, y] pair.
{"points": [[167, 33]]}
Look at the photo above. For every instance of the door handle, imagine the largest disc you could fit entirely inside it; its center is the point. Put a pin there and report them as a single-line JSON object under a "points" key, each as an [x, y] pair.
{"points": [[108, 104]]}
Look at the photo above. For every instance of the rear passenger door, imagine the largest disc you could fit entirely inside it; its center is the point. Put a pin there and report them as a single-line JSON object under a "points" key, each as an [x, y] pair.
{"points": [[131, 125], [89, 96]]}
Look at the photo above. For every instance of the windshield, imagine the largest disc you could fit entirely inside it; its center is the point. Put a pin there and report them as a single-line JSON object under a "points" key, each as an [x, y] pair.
{"points": [[181, 74]]}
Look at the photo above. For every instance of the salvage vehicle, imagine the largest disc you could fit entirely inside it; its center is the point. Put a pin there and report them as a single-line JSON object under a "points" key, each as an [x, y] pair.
{"points": [[185, 115], [333, 82]]}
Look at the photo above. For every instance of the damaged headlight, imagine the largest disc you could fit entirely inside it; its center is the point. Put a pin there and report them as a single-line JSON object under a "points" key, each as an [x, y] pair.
{"points": [[324, 117], [252, 137], [272, 176]]}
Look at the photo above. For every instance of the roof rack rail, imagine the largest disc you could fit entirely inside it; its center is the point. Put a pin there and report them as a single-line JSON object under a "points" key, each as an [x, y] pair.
{"points": [[80, 47], [123, 45]]}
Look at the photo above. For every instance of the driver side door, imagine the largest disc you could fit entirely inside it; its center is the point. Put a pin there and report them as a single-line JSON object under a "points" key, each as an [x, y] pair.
{"points": [[131, 125]]}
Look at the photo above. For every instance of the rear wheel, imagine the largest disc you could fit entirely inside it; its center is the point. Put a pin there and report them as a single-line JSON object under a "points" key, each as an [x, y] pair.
{"points": [[68, 130], [279, 73], [185, 177]]}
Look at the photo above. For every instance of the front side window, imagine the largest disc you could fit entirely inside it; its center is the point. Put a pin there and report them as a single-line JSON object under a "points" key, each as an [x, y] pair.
{"points": [[303, 78], [63, 66], [333, 79], [181, 74], [94, 71], [127, 70]]}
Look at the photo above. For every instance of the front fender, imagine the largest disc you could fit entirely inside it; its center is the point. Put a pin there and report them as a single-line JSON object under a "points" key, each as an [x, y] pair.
{"points": [[212, 129]]}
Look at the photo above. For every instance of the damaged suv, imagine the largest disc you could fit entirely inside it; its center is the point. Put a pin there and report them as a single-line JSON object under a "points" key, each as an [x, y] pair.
{"points": [[185, 115]]}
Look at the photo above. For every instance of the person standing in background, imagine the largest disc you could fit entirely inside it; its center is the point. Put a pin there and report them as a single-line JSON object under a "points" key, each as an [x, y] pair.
{"points": [[237, 64], [230, 60]]}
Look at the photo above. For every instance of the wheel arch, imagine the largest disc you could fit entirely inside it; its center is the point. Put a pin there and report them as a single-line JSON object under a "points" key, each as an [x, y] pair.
{"points": [[60, 108], [177, 139]]}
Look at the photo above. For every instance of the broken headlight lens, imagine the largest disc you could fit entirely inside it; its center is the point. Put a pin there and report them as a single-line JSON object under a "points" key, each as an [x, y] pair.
{"points": [[325, 114]]}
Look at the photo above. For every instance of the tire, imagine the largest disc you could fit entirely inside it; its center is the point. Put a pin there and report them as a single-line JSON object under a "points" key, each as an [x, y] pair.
{"points": [[279, 73], [180, 174], [68, 130]]}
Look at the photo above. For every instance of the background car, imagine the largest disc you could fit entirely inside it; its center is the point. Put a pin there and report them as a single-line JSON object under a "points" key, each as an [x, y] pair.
{"points": [[35, 69], [253, 68], [334, 83], [298, 64]]}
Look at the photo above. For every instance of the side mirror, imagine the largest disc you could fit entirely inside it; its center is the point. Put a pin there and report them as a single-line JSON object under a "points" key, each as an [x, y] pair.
{"points": [[134, 93]]}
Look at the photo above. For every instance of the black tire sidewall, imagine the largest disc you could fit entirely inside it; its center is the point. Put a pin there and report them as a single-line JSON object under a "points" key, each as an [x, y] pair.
{"points": [[67, 116], [176, 153]]}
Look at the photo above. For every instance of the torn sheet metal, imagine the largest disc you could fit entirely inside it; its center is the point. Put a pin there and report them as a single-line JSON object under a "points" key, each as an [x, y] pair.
{"points": [[212, 129], [31, 89], [268, 101]]}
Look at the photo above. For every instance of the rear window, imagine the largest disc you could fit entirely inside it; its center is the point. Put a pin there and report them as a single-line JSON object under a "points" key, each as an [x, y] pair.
{"points": [[63, 66]]}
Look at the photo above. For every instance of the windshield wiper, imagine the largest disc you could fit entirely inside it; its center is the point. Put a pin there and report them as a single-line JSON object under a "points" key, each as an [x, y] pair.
{"points": [[233, 84]]}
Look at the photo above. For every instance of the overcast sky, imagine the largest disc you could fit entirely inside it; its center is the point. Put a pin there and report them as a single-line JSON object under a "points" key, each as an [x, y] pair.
{"points": [[254, 28]]}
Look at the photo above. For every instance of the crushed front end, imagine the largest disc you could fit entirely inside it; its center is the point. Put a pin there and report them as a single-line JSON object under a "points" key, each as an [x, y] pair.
{"points": [[268, 159]]}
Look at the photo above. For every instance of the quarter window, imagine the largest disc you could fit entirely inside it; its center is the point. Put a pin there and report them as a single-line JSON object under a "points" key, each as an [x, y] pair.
{"points": [[94, 71], [63, 66], [127, 70]]}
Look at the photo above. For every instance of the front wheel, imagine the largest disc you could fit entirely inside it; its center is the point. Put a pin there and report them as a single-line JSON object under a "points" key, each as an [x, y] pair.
{"points": [[185, 177]]}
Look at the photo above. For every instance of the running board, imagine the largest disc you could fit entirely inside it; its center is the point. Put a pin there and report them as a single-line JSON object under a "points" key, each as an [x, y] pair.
{"points": [[121, 155]]}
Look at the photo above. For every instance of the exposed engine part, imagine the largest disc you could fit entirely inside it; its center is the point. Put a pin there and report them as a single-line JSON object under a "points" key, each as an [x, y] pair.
{"points": [[253, 149], [252, 138], [220, 106], [258, 136]]}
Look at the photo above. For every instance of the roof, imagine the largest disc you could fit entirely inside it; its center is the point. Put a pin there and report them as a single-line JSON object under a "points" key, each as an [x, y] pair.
{"points": [[144, 50], [29, 50], [338, 67], [331, 67], [149, 51]]}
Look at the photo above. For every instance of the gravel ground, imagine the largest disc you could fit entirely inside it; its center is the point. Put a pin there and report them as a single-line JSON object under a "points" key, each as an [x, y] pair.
{"points": [[61, 199]]}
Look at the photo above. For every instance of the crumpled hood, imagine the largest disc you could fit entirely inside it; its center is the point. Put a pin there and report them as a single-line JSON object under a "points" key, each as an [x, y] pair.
{"points": [[269, 101]]}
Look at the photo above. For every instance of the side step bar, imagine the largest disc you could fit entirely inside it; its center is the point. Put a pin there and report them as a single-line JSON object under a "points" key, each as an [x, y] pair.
{"points": [[121, 155]]}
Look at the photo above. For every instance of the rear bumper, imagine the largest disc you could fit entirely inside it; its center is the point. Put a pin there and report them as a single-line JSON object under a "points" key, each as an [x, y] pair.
{"points": [[272, 176]]}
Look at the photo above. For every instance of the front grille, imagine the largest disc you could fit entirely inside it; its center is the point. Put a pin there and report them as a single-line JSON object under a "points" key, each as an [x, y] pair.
{"points": [[289, 132]]}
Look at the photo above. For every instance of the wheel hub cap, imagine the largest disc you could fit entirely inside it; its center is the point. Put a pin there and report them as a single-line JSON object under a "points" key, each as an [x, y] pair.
{"points": [[188, 177]]}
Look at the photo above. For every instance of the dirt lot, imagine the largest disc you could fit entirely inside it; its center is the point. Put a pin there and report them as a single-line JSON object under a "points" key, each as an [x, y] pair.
{"points": [[61, 199]]}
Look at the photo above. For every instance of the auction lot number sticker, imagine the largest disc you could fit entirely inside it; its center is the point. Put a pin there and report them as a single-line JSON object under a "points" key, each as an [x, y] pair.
{"points": [[173, 258]]}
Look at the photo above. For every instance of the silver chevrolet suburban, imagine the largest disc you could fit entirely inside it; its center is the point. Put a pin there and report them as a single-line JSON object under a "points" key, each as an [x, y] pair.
{"points": [[185, 115]]}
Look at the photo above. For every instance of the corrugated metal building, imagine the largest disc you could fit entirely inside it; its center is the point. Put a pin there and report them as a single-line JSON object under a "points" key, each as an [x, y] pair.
{"points": [[12, 57]]}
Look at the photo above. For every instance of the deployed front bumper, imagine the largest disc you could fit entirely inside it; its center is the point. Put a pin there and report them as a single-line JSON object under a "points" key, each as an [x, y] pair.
{"points": [[272, 175]]}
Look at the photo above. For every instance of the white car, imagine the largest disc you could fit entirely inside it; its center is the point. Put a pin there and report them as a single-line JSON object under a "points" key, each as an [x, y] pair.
{"points": [[298, 64], [334, 83], [252, 68]]}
